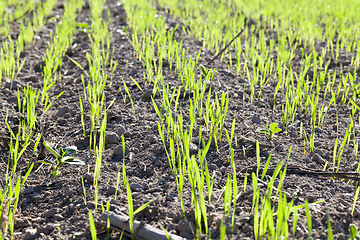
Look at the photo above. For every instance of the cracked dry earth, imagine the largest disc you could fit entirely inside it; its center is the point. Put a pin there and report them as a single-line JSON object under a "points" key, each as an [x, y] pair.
{"points": [[54, 209]]}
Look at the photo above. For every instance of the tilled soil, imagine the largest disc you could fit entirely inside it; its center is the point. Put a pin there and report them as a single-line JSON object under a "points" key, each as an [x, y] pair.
{"points": [[52, 209]]}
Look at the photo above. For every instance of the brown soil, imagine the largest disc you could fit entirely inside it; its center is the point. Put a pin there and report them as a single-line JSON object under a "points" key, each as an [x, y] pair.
{"points": [[58, 208]]}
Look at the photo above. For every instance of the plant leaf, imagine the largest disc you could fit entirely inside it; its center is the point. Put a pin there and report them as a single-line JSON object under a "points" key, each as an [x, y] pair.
{"points": [[47, 162], [82, 25], [73, 160], [61, 152], [144, 206], [266, 131], [277, 130], [69, 150], [52, 150], [273, 125], [92, 226], [353, 231], [55, 174]]}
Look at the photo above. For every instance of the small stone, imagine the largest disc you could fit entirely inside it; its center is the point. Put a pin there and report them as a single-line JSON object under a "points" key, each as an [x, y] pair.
{"points": [[29, 190], [212, 166], [348, 188], [258, 104], [186, 235], [240, 94], [159, 149], [58, 217], [43, 230], [49, 227], [146, 144], [279, 148], [111, 190], [317, 158], [136, 187], [165, 63], [232, 229], [256, 119], [212, 230], [68, 193], [247, 228], [340, 236], [73, 112], [23, 202], [135, 150], [169, 197], [39, 66], [333, 110], [211, 219], [133, 73], [22, 223], [158, 105], [291, 128], [137, 145], [193, 148], [49, 213], [311, 198], [11, 84], [89, 178], [202, 122], [145, 185], [118, 151], [61, 121], [332, 183], [242, 80], [148, 93], [32, 78], [245, 219], [340, 208], [338, 228], [151, 139], [312, 165], [323, 235], [78, 233], [111, 138], [186, 226], [356, 213], [69, 52], [120, 130], [61, 112], [30, 233], [111, 145], [136, 194], [23, 54]]}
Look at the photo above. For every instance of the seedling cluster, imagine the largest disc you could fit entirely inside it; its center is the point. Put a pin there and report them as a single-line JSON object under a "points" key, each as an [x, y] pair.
{"points": [[259, 42], [61, 156], [273, 128]]}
